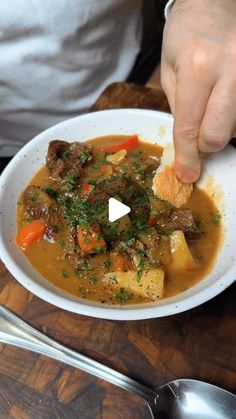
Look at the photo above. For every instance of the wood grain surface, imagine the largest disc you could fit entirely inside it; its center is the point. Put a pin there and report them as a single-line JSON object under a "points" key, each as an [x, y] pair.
{"points": [[197, 344]]}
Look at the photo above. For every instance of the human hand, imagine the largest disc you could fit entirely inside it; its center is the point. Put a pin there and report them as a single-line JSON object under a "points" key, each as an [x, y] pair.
{"points": [[198, 75]]}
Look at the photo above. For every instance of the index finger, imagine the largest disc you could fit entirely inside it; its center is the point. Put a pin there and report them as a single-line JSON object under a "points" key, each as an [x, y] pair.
{"points": [[190, 105]]}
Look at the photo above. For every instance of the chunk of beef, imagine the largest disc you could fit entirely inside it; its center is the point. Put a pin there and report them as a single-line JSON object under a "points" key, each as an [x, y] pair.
{"points": [[67, 159], [131, 194], [182, 220], [150, 164], [160, 255], [134, 252], [39, 205], [149, 238], [146, 165], [125, 167], [36, 202], [194, 235], [54, 219], [163, 226], [71, 249], [156, 249]]}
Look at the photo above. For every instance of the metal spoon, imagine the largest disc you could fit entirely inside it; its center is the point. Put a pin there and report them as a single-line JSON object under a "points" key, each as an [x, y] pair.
{"points": [[185, 399]]}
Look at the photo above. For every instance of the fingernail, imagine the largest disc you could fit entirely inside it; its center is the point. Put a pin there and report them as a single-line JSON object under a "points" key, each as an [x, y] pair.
{"points": [[188, 176]]}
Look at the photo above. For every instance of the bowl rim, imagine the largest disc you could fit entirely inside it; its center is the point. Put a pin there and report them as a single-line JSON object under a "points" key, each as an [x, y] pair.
{"points": [[89, 307]]}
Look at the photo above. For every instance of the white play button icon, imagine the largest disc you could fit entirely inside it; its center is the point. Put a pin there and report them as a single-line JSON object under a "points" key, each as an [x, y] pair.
{"points": [[116, 209]]}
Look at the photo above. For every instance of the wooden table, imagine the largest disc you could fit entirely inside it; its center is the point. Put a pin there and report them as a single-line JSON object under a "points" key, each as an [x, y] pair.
{"points": [[198, 344]]}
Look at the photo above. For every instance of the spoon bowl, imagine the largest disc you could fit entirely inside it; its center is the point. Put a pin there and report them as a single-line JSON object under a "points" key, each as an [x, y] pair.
{"points": [[194, 399]]}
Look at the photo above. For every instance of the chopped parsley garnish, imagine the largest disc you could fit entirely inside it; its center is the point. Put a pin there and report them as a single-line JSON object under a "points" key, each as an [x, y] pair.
{"points": [[82, 269], [107, 264], [86, 267], [110, 229], [92, 182], [99, 250], [167, 232], [71, 181], [79, 210], [199, 223], [154, 212], [139, 275], [137, 154], [93, 279], [137, 169], [129, 238], [62, 243], [142, 259], [84, 156], [35, 196], [140, 224], [122, 297], [66, 154], [113, 230], [65, 274], [215, 218], [28, 218], [104, 158], [53, 193], [83, 291], [113, 279], [142, 200], [167, 205]]}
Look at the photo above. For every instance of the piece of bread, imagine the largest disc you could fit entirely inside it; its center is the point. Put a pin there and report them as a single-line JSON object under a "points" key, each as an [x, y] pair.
{"points": [[168, 187]]}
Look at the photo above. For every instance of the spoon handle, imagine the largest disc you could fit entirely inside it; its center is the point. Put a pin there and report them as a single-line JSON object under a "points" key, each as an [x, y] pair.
{"points": [[16, 332]]}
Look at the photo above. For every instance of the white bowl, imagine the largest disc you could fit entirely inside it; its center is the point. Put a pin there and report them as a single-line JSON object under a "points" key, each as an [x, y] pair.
{"points": [[219, 179]]}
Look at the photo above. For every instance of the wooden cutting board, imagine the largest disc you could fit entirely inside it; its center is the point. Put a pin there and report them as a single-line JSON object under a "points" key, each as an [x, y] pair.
{"points": [[198, 344]]}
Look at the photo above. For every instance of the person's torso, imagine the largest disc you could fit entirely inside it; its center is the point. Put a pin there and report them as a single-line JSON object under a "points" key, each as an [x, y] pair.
{"points": [[56, 58]]}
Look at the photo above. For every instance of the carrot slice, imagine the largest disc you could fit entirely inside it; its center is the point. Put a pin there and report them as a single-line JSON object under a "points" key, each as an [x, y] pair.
{"points": [[152, 220], [30, 234], [119, 263], [88, 189], [90, 240], [130, 144]]}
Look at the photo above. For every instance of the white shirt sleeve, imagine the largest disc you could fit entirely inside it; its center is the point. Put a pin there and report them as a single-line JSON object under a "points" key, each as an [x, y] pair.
{"points": [[56, 61], [168, 7]]}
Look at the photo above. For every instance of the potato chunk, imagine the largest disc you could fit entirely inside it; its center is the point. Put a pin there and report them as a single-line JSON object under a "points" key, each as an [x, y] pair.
{"points": [[182, 258], [149, 285]]}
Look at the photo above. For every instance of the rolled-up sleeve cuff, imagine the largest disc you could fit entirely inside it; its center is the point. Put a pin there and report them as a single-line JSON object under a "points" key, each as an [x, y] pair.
{"points": [[168, 7]]}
